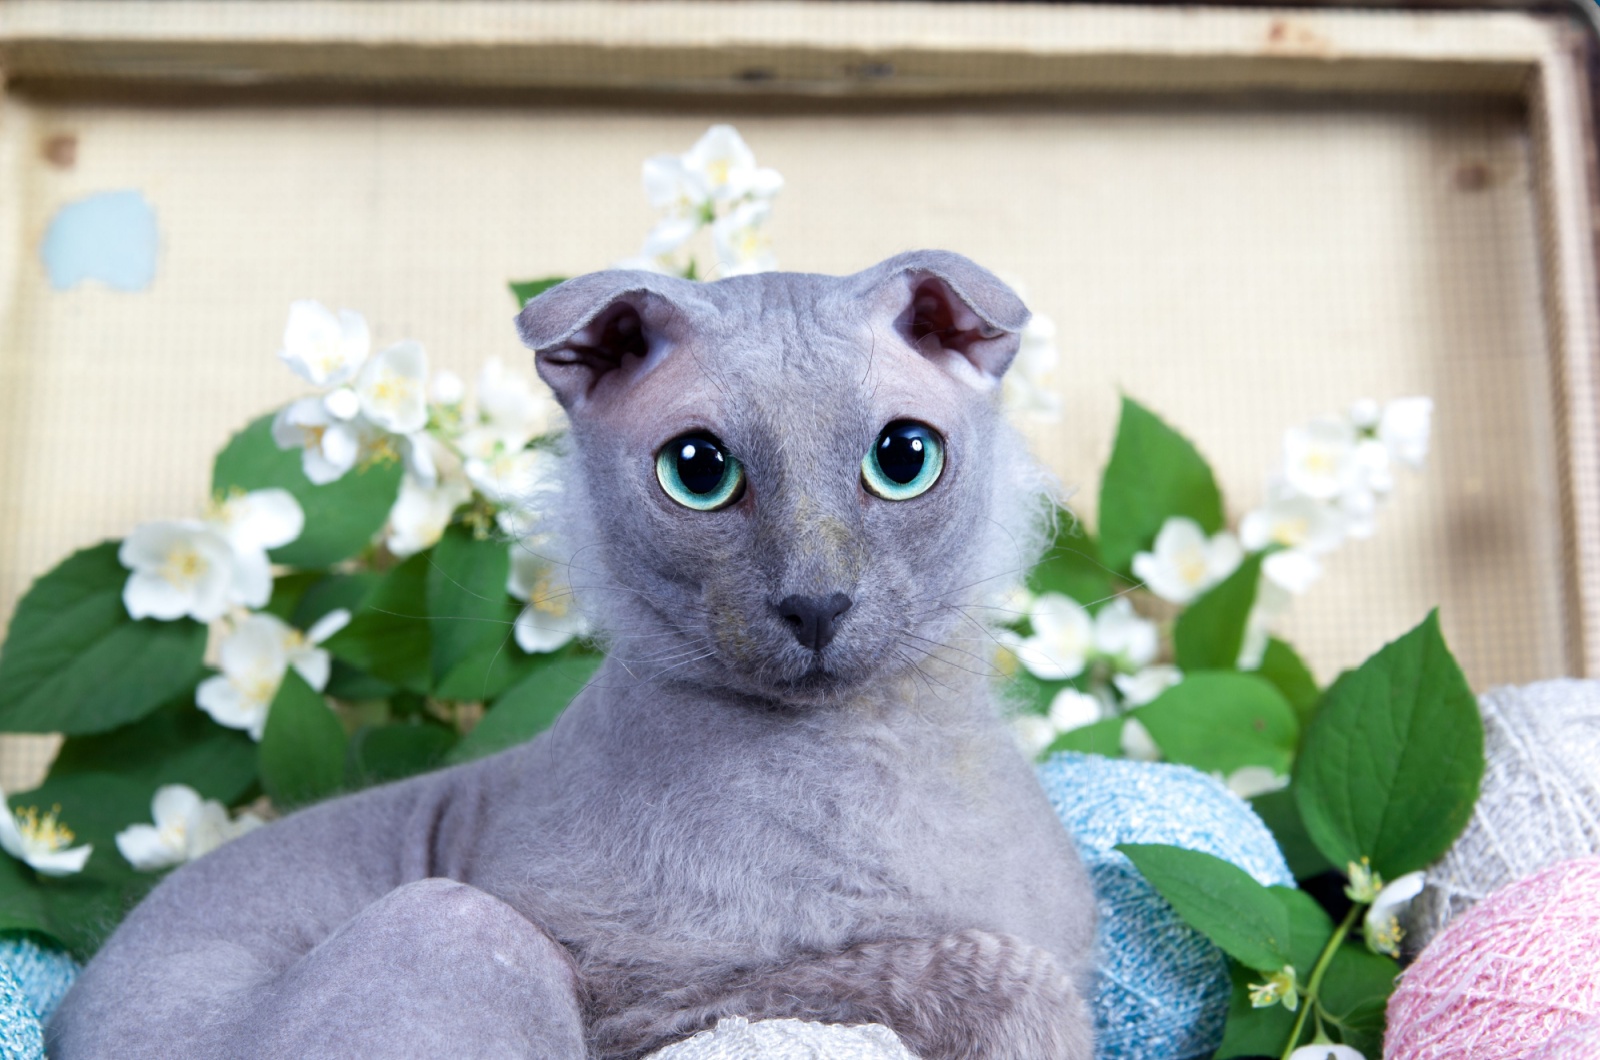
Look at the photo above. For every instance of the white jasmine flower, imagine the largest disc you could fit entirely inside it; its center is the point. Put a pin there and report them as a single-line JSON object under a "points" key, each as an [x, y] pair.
{"points": [[1026, 388], [1144, 686], [510, 405], [447, 388], [1405, 427], [1272, 601], [1294, 570], [1120, 635], [1318, 458], [422, 512], [1326, 1051], [1063, 635], [254, 657], [1010, 604], [1281, 987], [1137, 743], [513, 477], [743, 246], [182, 567], [392, 387], [330, 444], [726, 167], [1381, 925], [41, 840], [1294, 523], [322, 348], [342, 404], [1071, 709], [667, 235], [551, 618], [186, 827], [672, 186], [1364, 414], [1249, 781], [1185, 563], [1034, 733], [258, 520]]}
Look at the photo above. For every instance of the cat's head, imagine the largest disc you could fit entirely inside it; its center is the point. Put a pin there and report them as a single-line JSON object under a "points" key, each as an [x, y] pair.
{"points": [[784, 484]]}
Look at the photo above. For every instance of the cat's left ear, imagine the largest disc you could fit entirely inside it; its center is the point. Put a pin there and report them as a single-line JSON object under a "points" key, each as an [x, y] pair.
{"points": [[595, 334], [950, 308]]}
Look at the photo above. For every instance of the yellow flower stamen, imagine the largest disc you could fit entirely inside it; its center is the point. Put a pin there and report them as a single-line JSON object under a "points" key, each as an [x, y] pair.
{"points": [[43, 830], [1280, 987]]}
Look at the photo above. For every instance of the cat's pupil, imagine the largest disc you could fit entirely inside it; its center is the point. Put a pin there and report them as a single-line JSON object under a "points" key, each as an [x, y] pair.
{"points": [[901, 452], [700, 466]]}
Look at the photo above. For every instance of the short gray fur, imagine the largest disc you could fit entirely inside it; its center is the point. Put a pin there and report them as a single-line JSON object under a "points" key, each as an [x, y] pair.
{"points": [[723, 823]]}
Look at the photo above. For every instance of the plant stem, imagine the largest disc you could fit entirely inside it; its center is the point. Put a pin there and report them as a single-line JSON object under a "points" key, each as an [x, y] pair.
{"points": [[1308, 1000]]}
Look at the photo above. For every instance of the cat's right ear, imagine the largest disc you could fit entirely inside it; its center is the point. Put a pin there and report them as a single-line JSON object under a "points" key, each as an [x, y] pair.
{"points": [[593, 335]]}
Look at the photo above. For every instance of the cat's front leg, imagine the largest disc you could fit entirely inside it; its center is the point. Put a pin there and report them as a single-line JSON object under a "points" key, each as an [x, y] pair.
{"points": [[973, 995]]}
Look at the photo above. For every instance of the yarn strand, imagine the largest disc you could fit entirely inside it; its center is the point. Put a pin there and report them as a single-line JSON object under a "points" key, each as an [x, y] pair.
{"points": [[1318, 970]]}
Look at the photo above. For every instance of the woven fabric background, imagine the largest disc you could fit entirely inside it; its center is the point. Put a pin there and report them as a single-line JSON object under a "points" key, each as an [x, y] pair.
{"points": [[1240, 265]]}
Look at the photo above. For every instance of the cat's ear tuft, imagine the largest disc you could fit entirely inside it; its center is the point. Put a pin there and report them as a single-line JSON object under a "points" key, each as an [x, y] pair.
{"points": [[596, 331], [951, 309]]}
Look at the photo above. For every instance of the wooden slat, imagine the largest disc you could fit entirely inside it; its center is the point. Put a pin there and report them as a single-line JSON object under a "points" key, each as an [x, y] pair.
{"points": [[832, 48]]}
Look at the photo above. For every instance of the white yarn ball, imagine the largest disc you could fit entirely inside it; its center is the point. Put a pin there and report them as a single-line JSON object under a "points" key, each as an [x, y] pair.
{"points": [[1540, 802], [740, 1039]]}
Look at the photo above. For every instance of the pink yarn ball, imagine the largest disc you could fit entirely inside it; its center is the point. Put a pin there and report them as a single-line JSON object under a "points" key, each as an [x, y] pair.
{"points": [[1504, 978], [1580, 1041]]}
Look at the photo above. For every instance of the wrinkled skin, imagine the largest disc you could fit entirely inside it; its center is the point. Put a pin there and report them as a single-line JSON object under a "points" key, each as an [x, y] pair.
{"points": [[725, 821]]}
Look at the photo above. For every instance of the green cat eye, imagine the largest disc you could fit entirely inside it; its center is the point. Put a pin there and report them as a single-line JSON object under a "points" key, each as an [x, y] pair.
{"points": [[904, 462], [698, 472]]}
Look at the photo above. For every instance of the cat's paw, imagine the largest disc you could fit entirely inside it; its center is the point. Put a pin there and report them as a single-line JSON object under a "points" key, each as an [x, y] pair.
{"points": [[985, 996]]}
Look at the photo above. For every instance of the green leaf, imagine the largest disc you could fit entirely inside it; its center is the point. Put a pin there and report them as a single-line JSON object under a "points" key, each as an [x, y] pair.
{"points": [[525, 290], [1219, 722], [1210, 633], [22, 901], [492, 667], [1103, 737], [303, 749], [1154, 474], [84, 908], [178, 744], [1310, 928], [1282, 665], [74, 661], [1279, 813], [1254, 1031], [1072, 567], [467, 598], [330, 592], [380, 753], [1219, 899], [287, 591], [342, 517], [527, 709], [1355, 994], [389, 635], [1391, 765]]}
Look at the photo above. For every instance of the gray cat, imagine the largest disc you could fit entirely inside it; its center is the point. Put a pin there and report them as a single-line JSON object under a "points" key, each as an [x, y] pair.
{"points": [[787, 793]]}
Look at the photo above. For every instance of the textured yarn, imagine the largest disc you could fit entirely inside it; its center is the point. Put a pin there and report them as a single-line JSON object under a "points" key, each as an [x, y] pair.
{"points": [[21, 1036], [44, 974], [1164, 988], [1540, 802], [1580, 1041], [1508, 975], [739, 1039]]}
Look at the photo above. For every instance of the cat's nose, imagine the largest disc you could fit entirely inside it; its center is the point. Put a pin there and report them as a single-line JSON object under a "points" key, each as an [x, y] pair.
{"points": [[812, 617]]}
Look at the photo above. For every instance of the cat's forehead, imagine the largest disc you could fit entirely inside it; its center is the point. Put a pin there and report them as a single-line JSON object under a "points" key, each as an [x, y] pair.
{"points": [[795, 350]]}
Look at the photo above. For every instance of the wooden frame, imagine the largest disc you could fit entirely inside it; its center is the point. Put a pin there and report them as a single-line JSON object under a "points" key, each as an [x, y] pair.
{"points": [[893, 50]]}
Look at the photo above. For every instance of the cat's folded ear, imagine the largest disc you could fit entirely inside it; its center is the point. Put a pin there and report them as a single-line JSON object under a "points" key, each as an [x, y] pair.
{"points": [[953, 310], [592, 334]]}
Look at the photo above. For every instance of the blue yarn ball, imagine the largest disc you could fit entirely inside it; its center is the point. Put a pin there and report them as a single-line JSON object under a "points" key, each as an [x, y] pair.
{"points": [[44, 974], [1163, 987], [21, 1035]]}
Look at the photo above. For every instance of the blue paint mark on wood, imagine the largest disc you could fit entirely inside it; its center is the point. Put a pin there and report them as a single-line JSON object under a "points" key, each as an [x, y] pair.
{"points": [[110, 237]]}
